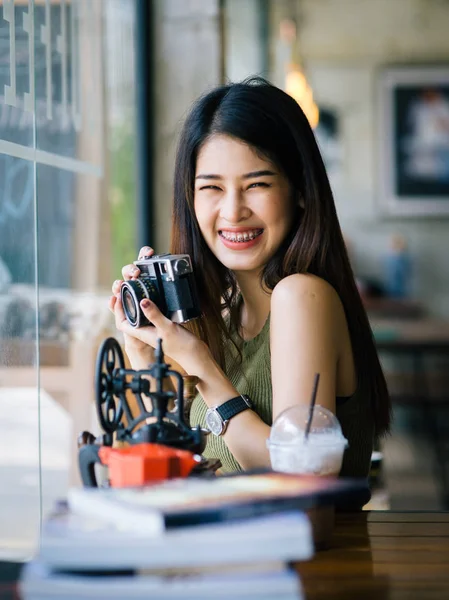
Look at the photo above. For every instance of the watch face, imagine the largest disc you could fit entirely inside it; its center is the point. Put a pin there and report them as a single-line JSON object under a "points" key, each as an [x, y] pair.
{"points": [[214, 422]]}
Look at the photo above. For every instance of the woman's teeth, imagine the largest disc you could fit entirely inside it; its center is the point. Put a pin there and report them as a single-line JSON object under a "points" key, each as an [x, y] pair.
{"points": [[241, 237]]}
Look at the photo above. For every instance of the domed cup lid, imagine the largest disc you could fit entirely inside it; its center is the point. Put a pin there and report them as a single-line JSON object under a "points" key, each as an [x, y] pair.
{"points": [[290, 427]]}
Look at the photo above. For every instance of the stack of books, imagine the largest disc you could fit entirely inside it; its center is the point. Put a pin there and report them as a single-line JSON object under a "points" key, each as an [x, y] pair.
{"points": [[225, 537]]}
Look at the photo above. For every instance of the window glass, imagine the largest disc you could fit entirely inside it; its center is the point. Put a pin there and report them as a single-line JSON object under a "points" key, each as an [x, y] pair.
{"points": [[67, 224]]}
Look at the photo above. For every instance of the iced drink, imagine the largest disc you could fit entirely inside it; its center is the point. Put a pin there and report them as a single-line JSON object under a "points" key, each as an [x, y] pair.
{"points": [[321, 453]]}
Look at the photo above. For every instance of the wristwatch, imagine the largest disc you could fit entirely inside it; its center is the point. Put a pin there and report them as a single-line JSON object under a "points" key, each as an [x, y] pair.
{"points": [[217, 417]]}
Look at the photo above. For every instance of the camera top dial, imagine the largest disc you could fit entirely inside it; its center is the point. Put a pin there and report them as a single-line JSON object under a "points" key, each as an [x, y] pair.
{"points": [[181, 266]]}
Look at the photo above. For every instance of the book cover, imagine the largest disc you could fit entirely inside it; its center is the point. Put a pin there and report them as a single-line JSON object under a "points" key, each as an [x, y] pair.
{"points": [[75, 542], [40, 583], [194, 501]]}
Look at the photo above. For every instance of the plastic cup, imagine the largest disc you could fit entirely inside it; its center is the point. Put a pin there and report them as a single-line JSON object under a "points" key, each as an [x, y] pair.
{"points": [[321, 453]]}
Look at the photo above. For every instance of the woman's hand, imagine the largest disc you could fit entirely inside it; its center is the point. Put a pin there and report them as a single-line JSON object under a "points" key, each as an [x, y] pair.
{"points": [[187, 354], [139, 353], [184, 348]]}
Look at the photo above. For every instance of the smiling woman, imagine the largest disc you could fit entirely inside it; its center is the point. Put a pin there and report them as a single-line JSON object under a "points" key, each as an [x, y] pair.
{"points": [[254, 210]]}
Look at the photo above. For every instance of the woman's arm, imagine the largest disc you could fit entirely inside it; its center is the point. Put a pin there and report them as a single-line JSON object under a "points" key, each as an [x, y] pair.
{"points": [[305, 339], [246, 433], [306, 318]]}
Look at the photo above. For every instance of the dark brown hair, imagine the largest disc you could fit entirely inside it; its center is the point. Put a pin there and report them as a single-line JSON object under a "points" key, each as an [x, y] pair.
{"points": [[271, 122]]}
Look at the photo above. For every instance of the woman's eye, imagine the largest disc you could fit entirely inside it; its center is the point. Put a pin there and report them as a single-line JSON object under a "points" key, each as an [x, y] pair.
{"points": [[209, 187], [258, 184]]}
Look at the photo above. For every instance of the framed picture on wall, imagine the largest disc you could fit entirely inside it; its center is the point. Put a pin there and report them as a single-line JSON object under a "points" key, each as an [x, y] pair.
{"points": [[329, 138], [413, 136]]}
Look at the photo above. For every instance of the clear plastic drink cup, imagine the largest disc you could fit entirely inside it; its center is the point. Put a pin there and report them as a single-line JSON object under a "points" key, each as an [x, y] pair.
{"points": [[321, 453]]}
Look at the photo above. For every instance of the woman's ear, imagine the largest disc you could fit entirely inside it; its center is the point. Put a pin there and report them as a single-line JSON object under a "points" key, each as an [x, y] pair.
{"points": [[301, 202]]}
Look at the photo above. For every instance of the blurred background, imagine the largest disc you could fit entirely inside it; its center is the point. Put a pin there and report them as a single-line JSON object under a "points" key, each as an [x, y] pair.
{"points": [[92, 96]]}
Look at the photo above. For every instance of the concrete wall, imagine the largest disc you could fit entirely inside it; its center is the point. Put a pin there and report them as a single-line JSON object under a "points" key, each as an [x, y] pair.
{"points": [[343, 45], [242, 36], [188, 62]]}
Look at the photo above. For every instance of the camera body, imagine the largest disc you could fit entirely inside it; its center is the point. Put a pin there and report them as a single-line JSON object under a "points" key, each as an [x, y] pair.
{"points": [[168, 281]]}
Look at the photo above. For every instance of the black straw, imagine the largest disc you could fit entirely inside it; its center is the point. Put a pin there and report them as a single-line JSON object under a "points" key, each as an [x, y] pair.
{"points": [[312, 404]]}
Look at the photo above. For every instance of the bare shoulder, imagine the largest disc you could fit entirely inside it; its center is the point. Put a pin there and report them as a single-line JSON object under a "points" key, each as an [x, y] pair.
{"points": [[307, 310], [304, 290]]}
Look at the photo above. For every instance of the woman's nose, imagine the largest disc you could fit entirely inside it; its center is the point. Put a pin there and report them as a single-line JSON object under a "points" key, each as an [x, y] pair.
{"points": [[234, 208]]}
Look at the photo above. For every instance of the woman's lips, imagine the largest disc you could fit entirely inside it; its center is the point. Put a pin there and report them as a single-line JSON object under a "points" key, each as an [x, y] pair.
{"points": [[243, 245]]}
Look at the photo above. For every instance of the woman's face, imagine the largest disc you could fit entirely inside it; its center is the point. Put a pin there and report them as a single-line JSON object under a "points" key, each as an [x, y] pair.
{"points": [[243, 203]]}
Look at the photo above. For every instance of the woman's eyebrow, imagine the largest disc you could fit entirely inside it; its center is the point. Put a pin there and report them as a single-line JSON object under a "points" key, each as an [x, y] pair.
{"points": [[209, 177], [263, 173]]}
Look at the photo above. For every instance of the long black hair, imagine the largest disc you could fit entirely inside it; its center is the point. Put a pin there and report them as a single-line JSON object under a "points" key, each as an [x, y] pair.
{"points": [[272, 122]]}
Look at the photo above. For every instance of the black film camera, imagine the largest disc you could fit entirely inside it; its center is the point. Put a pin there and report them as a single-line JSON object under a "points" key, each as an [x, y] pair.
{"points": [[168, 281]]}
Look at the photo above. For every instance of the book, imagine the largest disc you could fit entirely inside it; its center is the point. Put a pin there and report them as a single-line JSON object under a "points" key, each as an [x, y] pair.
{"points": [[180, 503], [38, 582], [79, 543]]}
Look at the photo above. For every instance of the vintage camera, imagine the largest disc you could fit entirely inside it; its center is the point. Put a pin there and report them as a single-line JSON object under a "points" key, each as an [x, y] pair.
{"points": [[168, 281]]}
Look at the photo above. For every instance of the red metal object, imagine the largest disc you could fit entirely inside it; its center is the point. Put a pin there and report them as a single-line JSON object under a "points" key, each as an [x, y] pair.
{"points": [[145, 463]]}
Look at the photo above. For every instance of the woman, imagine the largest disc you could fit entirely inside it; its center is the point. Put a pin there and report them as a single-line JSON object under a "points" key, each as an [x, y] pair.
{"points": [[254, 210]]}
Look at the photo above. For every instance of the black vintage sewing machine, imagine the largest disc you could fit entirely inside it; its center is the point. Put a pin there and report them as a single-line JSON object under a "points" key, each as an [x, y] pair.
{"points": [[156, 444]]}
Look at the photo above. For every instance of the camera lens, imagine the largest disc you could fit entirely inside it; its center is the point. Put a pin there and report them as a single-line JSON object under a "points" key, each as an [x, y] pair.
{"points": [[129, 305], [132, 293]]}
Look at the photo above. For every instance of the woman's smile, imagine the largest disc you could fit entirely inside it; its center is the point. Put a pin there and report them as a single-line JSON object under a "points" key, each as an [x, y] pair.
{"points": [[240, 238]]}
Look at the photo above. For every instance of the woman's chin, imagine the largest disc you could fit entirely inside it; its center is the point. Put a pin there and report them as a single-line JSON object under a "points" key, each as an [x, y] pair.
{"points": [[247, 260], [240, 266]]}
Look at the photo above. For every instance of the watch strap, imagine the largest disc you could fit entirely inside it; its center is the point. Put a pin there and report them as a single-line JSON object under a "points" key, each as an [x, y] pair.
{"points": [[233, 407]]}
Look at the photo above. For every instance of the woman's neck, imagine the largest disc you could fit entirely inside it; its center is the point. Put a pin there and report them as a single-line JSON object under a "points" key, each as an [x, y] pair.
{"points": [[255, 306]]}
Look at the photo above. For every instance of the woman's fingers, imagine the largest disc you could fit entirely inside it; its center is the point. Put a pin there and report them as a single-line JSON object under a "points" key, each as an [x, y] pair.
{"points": [[119, 313], [148, 335], [130, 272], [111, 303], [154, 315], [145, 251], [116, 286]]}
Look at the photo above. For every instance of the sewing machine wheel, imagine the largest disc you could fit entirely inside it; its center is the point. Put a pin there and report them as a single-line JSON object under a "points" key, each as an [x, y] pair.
{"points": [[109, 407]]}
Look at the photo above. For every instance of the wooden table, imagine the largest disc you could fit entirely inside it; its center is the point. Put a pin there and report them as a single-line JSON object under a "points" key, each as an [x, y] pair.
{"points": [[382, 555]]}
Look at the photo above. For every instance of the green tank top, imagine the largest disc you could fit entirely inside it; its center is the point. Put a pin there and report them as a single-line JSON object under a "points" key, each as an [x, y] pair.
{"points": [[252, 376]]}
